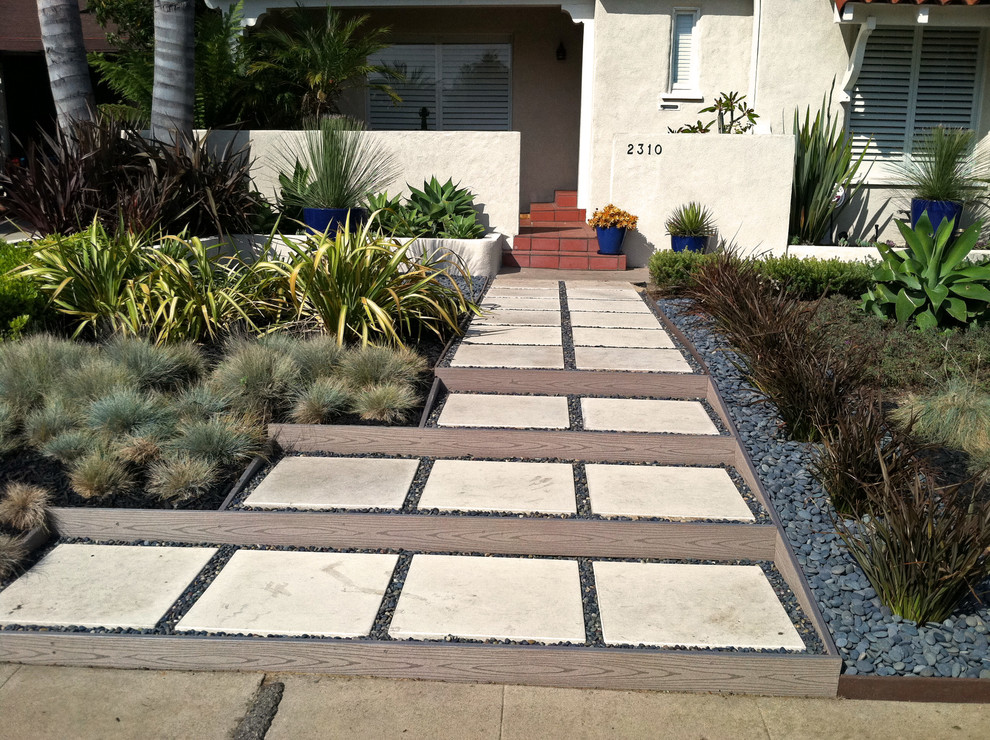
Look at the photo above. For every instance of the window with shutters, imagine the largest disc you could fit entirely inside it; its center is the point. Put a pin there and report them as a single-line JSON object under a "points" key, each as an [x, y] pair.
{"points": [[445, 87], [684, 51], [913, 79]]}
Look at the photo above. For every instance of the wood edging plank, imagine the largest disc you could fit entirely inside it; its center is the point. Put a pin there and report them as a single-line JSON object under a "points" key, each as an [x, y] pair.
{"points": [[915, 688], [704, 671], [435, 390], [574, 382], [427, 533], [247, 475], [508, 443], [36, 538]]}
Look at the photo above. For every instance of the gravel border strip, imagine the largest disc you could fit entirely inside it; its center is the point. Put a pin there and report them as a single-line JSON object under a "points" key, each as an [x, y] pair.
{"points": [[379, 631], [413, 496]]}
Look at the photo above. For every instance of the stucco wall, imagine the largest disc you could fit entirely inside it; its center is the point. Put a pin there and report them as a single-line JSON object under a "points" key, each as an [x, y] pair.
{"points": [[744, 180], [485, 162], [546, 93]]}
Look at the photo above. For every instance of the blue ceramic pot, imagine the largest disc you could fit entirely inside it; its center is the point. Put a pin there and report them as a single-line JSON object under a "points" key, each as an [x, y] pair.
{"points": [[610, 239], [689, 243], [938, 211], [331, 220]]}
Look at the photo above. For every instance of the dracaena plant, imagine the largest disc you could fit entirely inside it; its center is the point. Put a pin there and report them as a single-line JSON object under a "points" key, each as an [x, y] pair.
{"points": [[931, 283]]}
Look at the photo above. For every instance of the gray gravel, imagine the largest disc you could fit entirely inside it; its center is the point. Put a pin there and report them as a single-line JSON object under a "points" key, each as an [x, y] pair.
{"points": [[870, 639]]}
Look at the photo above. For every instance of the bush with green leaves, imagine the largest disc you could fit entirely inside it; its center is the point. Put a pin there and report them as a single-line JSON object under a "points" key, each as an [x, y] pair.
{"points": [[931, 284], [22, 306]]}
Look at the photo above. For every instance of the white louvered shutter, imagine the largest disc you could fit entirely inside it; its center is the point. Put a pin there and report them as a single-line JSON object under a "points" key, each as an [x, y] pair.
{"points": [[476, 87], [683, 53], [464, 87], [911, 80], [418, 63]]}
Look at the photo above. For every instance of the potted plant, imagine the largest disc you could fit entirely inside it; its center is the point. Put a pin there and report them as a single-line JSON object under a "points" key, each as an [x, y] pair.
{"points": [[611, 223], [945, 172], [329, 173], [689, 227]]}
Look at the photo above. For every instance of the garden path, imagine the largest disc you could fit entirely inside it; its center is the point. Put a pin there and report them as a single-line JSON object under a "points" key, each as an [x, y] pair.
{"points": [[576, 486]]}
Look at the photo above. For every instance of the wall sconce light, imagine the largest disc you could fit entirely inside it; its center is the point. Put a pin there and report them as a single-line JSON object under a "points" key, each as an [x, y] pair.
{"points": [[561, 52]]}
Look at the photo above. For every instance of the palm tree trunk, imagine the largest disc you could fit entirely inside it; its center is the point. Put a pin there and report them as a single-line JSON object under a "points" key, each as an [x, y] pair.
{"points": [[174, 87], [61, 34]]}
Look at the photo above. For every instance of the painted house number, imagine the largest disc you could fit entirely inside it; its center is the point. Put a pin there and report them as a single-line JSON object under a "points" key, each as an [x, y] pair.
{"points": [[644, 149]]}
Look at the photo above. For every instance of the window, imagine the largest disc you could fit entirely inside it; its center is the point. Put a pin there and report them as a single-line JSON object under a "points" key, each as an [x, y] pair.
{"points": [[447, 87], [913, 79], [684, 52]]}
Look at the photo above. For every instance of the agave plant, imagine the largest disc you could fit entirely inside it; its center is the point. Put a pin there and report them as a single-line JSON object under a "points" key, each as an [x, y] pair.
{"points": [[931, 283], [692, 219]]}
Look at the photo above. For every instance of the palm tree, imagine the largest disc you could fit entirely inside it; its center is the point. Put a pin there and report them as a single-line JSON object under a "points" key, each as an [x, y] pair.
{"points": [[65, 52], [309, 66], [174, 87]]}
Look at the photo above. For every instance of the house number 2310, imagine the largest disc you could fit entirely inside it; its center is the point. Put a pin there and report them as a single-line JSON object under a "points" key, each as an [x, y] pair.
{"points": [[644, 149]]}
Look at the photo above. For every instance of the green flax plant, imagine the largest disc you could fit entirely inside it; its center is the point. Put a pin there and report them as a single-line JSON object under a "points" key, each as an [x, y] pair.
{"points": [[824, 161]]}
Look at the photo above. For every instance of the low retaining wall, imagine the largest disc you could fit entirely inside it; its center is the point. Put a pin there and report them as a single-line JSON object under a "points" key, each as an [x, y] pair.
{"points": [[485, 162]]}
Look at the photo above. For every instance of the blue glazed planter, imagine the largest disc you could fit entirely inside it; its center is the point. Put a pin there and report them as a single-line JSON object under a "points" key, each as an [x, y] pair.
{"points": [[688, 243], [938, 211], [331, 220], [610, 239]]}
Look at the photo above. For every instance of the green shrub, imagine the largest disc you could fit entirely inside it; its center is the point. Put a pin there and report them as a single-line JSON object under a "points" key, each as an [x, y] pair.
{"points": [[222, 440], [21, 304], [931, 284], [811, 278], [179, 477], [923, 548], [321, 402], [673, 272], [99, 474], [24, 506], [386, 402]]}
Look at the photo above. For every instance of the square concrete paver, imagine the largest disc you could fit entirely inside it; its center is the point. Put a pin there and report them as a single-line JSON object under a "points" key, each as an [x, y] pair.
{"points": [[481, 598], [478, 485], [665, 492], [602, 319], [706, 606], [501, 355], [548, 293], [335, 483], [587, 336], [633, 359], [265, 592], [513, 412], [496, 334], [521, 303], [518, 317], [499, 284], [597, 304], [646, 415], [590, 293], [102, 586]]}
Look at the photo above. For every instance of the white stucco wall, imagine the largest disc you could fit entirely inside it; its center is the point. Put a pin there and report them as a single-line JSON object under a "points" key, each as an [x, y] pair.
{"points": [[485, 162], [744, 180]]}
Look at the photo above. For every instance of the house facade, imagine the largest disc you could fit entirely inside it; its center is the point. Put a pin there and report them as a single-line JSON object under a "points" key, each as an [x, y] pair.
{"points": [[592, 88]]}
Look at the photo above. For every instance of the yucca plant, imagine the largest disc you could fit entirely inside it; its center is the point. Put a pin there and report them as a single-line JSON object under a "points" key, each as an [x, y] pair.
{"points": [[364, 287], [946, 165], [931, 284], [824, 162], [333, 166], [923, 548]]}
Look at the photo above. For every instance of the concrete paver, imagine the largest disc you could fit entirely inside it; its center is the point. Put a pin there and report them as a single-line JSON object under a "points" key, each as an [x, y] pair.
{"points": [[518, 317], [6, 671], [310, 482], [601, 293], [318, 707], [632, 359], [587, 336], [520, 302], [646, 415], [665, 491], [485, 485], [102, 585], [498, 334], [585, 714], [510, 412], [518, 356], [486, 597], [550, 292], [673, 604], [598, 305], [262, 592], [103, 704], [615, 320]]}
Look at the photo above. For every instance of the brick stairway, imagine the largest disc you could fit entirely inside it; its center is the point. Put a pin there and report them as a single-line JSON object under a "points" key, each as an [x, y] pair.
{"points": [[557, 236]]}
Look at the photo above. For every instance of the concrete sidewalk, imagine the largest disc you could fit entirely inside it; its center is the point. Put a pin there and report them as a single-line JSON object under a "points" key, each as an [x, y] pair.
{"points": [[64, 703]]}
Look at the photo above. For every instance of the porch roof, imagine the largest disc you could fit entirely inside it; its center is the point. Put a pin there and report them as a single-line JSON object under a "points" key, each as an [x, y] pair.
{"points": [[841, 3], [21, 30]]}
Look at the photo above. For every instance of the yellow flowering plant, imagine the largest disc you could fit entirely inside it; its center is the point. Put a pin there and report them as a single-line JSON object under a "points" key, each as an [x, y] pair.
{"points": [[612, 215]]}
